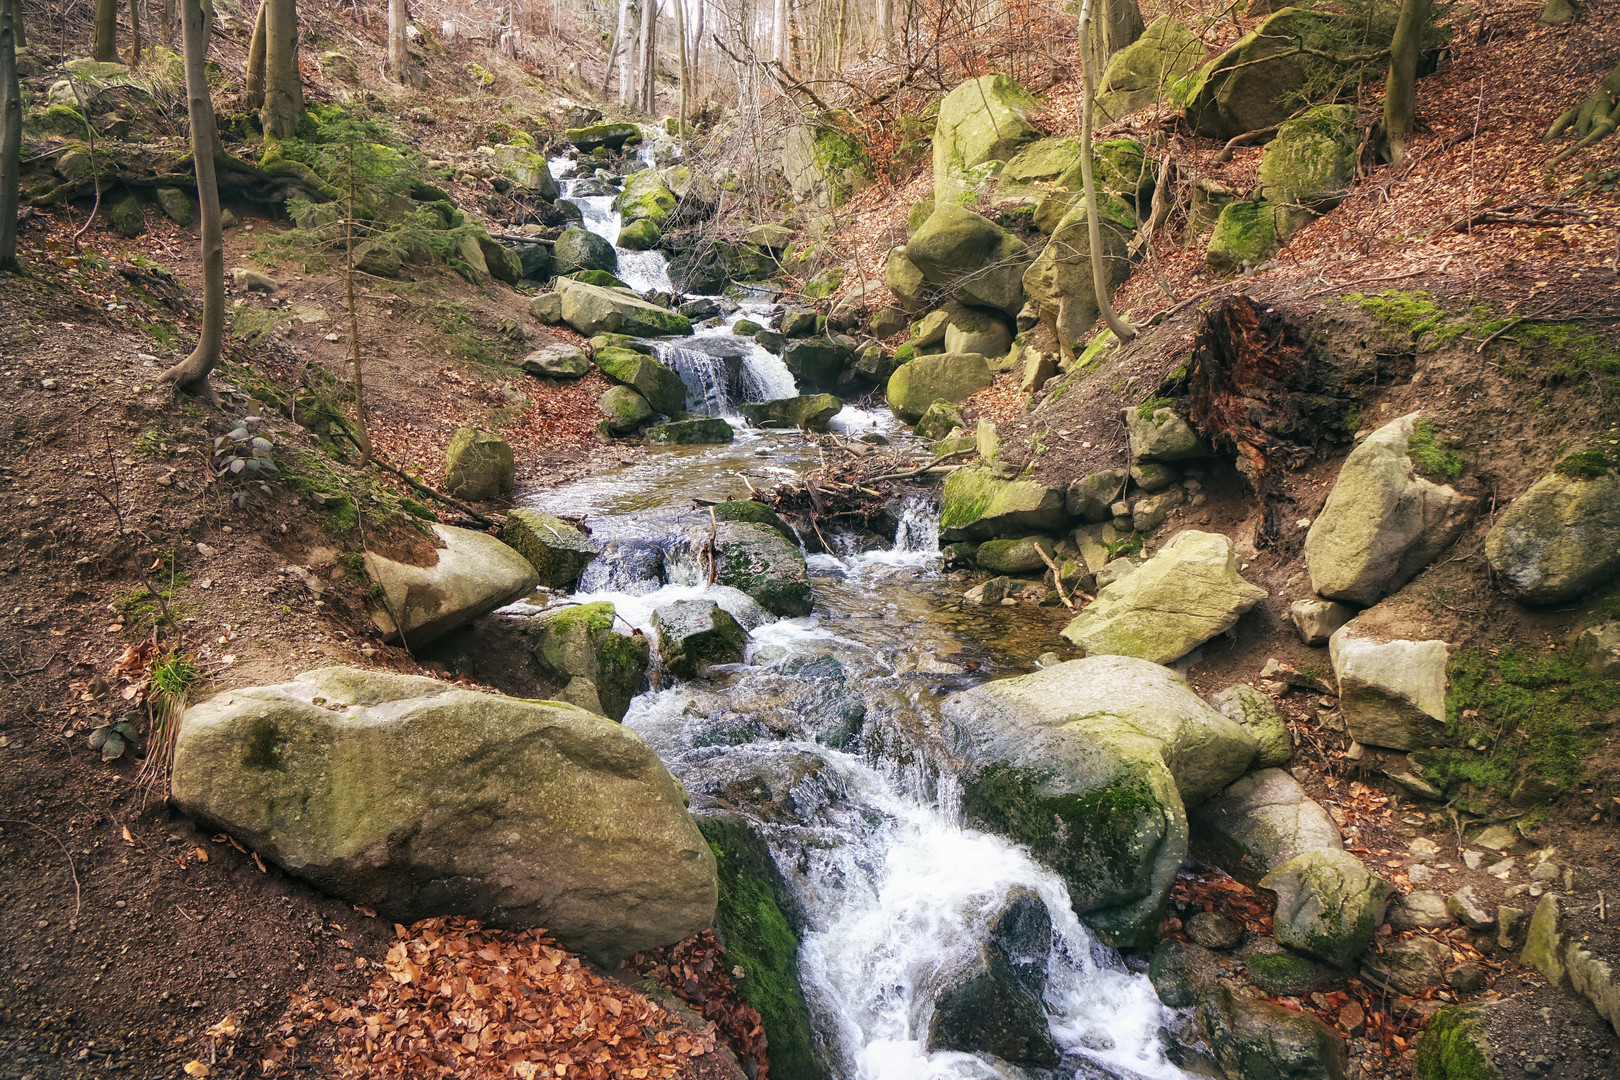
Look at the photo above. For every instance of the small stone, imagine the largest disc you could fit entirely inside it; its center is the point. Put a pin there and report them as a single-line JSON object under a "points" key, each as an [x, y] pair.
{"points": [[1415, 786], [1495, 838], [1424, 848], [1502, 868], [1473, 859], [1464, 905], [1419, 874], [1316, 619], [1466, 978], [1214, 931], [1421, 910], [253, 281], [1355, 751], [1510, 926], [47, 384]]}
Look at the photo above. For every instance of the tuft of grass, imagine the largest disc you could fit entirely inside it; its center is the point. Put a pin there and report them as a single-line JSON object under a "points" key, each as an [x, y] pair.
{"points": [[1593, 462], [168, 688], [1432, 456]]}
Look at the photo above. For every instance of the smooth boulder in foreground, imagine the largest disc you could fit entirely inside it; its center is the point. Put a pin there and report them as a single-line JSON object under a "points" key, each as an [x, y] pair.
{"points": [[419, 798]]}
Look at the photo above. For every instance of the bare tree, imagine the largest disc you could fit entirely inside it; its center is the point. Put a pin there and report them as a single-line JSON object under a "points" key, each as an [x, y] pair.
{"points": [[134, 35], [165, 34], [253, 92], [105, 49], [885, 26], [1099, 277], [619, 25], [283, 87], [10, 131], [191, 374], [680, 56], [779, 33], [649, 53], [1399, 106], [398, 58], [1115, 25]]}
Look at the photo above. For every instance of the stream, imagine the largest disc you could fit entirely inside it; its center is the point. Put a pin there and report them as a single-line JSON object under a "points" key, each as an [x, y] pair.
{"points": [[826, 737]]}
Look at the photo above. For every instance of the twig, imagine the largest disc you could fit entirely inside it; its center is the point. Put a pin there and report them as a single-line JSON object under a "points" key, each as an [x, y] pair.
{"points": [[72, 870], [1244, 139], [1057, 577], [416, 484], [95, 174]]}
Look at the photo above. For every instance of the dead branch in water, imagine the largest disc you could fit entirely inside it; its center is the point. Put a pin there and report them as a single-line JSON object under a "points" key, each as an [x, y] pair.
{"points": [[854, 484]]}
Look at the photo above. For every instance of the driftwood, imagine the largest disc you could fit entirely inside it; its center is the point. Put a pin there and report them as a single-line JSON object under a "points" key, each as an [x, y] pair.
{"points": [[854, 485]]}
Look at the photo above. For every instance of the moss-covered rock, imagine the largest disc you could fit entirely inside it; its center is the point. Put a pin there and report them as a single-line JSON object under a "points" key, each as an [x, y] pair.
{"points": [[1456, 1046], [758, 560], [695, 635], [592, 309], [1028, 176], [1256, 1040], [478, 465], [1180, 972], [1560, 539], [610, 136], [127, 216], [815, 362], [700, 430], [824, 160], [807, 412], [972, 258], [472, 574], [581, 249], [952, 377], [1021, 556], [1259, 716], [904, 279], [978, 505], [558, 552], [1144, 71], [176, 205], [1329, 905], [1060, 282], [757, 513], [583, 642], [525, 168], [662, 388], [600, 278], [640, 235], [1246, 234], [1312, 160], [939, 420], [1121, 170], [624, 410], [645, 198], [502, 262], [981, 121]]}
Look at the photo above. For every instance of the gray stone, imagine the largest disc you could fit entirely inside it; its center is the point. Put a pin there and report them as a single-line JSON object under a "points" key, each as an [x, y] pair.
{"points": [[978, 505], [1255, 1040], [1407, 967], [1382, 522], [1090, 496], [582, 642], [1180, 598], [951, 377], [1316, 619], [478, 465], [419, 799], [1465, 906], [1259, 823], [547, 307], [1162, 436], [702, 430], [1150, 511], [592, 309], [979, 332], [1259, 716], [972, 258], [1510, 926], [695, 635], [558, 552], [815, 362], [1090, 763], [1114, 570], [580, 249], [1150, 476], [1215, 931], [1281, 973], [581, 691], [995, 1007], [176, 204], [558, 361], [472, 575], [807, 412], [1559, 540], [1180, 972], [1423, 909], [253, 281], [939, 420], [1060, 283], [1391, 692], [1328, 904]]}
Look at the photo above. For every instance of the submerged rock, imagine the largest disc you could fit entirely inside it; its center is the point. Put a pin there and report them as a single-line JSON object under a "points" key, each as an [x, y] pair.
{"points": [[1177, 600], [582, 642], [421, 799], [1090, 764], [472, 575], [695, 635], [995, 1007], [558, 552]]}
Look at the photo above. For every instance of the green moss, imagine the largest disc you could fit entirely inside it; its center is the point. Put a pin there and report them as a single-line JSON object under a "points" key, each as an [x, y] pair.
{"points": [[1454, 1047], [839, 156], [756, 512], [1151, 406], [1589, 464], [1430, 454], [1245, 233], [905, 352], [967, 496]]}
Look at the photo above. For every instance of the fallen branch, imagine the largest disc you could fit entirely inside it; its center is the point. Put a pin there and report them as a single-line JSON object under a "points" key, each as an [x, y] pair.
{"points": [[1057, 577], [417, 485]]}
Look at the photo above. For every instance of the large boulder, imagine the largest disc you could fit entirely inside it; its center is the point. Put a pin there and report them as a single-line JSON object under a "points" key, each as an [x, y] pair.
{"points": [[994, 1007], [1392, 692], [581, 249], [556, 550], [1022, 556], [1382, 522], [1257, 82], [1029, 176], [1158, 433], [757, 559], [472, 575], [815, 362], [1308, 167], [972, 258], [1256, 1040], [979, 505], [1328, 904], [624, 410], [662, 388], [645, 198], [1142, 72], [582, 642], [525, 168], [1061, 284], [695, 635], [612, 136], [592, 309], [1560, 539], [807, 412], [904, 280], [1180, 598], [697, 431], [952, 377], [968, 330], [1091, 763], [1259, 823], [1246, 233], [478, 465], [983, 120], [558, 360], [1120, 169], [421, 799], [824, 161]]}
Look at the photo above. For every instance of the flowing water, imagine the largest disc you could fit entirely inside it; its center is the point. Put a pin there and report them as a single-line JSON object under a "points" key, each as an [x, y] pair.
{"points": [[826, 739]]}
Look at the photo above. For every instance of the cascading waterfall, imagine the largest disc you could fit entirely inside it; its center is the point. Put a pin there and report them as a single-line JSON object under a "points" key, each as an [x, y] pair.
{"points": [[824, 743]]}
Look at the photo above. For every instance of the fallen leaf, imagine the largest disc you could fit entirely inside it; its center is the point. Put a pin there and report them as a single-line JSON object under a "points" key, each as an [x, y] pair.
{"points": [[196, 1068], [129, 837]]}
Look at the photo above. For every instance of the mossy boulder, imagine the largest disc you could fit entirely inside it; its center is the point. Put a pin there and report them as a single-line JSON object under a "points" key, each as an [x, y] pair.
{"points": [[478, 465], [1258, 81], [1312, 160], [1457, 1045], [472, 574], [592, 309], [1256, 1040], [624, 411], [1560, 539], [815, 362], [558, 552], [525, 168], [645, 198], [981, 121], [662, 388], [581, 249], [1122, 171], [807, 412], [502, 262], [700, 430], [1028, 176], [904, 279], [1061, 284], [176, 205], [978, 505], [640, 235], [756, 559], [1329, 905], [824, 160], [1090, 764], [1259, 716], [1021, 556], [695, 635], [610, 136], [1184, 595], [1246, 234], [127, 216], [939, 420], [971, 330], [1144, 71], [756, 512], [972, 258], [583, 642], [519, 813], [952, 377], [601, 279]]}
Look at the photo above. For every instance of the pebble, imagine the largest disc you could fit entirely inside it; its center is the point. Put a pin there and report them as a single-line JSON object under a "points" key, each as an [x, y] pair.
{"points": [[48, 384], [1424, 848], [1214, 931], [1473, 859], [1502, 869]]}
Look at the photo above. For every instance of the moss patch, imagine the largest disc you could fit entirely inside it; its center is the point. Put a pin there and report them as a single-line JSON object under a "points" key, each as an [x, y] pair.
{"points": [[1431, 455], [1454, 1047]]}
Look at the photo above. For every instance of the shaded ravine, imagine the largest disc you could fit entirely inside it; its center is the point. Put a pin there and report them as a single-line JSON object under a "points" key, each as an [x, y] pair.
{"points": [[825, 739]]}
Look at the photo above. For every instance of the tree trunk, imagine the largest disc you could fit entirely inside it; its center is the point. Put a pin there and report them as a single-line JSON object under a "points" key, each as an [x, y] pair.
{"points": [[1116, 24], [165, 31], [191, 374], [779, 32], [697, 46], [134, 35], [105, 49], [1404, 50], [398, 58], [10, 131], [680, 59], [1099, 277], [283, 86], [254, 93], [885, 26], [18, 29], [618, 41], [649, 53], [354, 316], [627, 58]]}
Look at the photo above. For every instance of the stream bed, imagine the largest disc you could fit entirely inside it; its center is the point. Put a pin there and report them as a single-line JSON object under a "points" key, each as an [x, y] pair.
{"points": [[826, 737]]}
